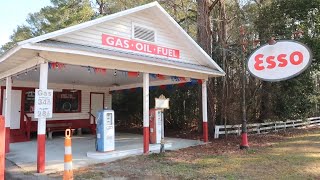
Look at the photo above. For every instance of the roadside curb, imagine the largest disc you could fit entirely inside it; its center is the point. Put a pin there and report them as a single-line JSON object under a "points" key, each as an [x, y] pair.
{"points": [[14, 172]]}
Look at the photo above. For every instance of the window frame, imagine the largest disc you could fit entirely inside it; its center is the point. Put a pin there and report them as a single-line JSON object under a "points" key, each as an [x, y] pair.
{"points": [[55, 93]]}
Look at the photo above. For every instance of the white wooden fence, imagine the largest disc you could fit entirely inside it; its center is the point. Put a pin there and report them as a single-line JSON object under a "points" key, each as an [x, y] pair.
{"points": [[266, 127]]}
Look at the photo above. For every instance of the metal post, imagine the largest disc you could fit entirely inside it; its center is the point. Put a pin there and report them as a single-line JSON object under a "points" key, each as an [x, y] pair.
{"points": [[244, 135], [162, 150], [145, 113], [41, 141]]}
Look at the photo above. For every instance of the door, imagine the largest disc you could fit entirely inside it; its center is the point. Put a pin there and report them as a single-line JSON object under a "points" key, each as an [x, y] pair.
{"points": [[97, 103], [15, 108]]}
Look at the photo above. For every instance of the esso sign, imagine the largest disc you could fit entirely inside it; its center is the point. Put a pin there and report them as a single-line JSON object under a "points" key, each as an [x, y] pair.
{"points": [[280, 61]]}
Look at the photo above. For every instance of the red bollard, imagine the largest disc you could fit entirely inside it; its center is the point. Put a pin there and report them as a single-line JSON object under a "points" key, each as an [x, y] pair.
{"points": [[2, 149], [244, 141]]}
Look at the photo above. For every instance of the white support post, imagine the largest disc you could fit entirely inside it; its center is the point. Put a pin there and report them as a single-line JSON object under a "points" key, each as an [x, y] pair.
{"points": [[205, 111], [7, 113], [146, 113], [43, 84]]}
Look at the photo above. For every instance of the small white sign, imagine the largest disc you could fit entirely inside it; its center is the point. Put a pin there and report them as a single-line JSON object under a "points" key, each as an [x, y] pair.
{"points": [[162, 103], [281, 61], [43, 103]]}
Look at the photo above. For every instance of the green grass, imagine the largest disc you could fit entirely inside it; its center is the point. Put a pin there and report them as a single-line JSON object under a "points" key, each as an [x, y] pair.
{"points": [[293, 158], [296, 158]]}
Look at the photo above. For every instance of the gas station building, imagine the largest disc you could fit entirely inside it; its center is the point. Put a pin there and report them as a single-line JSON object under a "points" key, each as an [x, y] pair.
{"points": [[139, 47]]}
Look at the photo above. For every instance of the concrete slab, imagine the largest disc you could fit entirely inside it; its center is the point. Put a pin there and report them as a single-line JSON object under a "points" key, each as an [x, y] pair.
{"points": [[25, 154]]}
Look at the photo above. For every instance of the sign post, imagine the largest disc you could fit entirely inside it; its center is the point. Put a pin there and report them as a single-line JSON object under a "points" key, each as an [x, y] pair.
{"points": [[280, 61], [277, 61], [162, 103], [43, 103]]}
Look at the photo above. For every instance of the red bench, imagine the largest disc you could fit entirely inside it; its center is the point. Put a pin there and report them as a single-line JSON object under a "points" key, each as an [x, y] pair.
{"points": [[59, 125]]}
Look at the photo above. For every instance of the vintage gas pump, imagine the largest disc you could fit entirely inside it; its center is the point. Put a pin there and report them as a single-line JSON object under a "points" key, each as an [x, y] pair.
{"points": [[155, 120], [105, 130]]}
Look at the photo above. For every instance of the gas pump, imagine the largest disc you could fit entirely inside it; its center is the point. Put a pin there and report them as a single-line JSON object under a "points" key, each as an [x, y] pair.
{"points": [[105, 130], [155, 122]]}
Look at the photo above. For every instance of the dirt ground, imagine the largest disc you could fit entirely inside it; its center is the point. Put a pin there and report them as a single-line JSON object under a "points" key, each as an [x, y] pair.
{"points": [[294, 154]]}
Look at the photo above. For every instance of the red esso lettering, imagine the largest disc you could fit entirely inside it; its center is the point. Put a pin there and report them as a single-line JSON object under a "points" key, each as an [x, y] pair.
{"points": [[258, 62], [295, 58]]}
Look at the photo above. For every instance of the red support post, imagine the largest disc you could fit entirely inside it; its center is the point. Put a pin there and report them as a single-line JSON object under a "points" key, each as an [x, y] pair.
{"points": [[41, 153], [146, 140], [7, 139], [205, 132], [2, 147]]}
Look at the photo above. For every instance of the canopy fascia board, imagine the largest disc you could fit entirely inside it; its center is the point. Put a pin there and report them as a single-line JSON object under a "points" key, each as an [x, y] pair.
{"points": [[10, 53], [22, 67], [152, 83], [44, 52], [113, 64]]}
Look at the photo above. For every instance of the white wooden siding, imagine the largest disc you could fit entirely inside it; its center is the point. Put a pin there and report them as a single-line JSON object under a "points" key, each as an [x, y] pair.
{"points": [[122, 27], [85, 98]]}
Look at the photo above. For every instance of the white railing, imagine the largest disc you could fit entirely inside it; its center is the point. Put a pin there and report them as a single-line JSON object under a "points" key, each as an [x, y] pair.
{"points": [[265, 127]]}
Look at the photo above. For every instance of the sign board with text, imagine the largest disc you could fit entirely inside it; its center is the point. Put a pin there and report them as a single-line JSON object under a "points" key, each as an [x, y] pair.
{"points": [[162, 102], [280, 61], [43, 103], [142, 47]]}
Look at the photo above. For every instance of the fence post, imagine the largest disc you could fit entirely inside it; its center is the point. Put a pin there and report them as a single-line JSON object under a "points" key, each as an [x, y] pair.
{"points": [[293, 124], [275, 126], [258, 129], [2, 147], [216, 132], [239, 131]]}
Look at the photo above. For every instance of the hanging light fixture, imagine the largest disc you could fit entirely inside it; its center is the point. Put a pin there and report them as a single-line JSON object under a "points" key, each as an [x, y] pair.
{"points": [[73, 90], [115, 84]]}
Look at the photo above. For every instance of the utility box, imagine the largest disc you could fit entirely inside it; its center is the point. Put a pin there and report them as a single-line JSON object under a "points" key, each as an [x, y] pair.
{"points": [[105, 130], [155, 122]]}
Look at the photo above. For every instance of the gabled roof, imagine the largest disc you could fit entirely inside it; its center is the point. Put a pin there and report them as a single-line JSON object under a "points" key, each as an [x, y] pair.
{"points": [[162, 14], [89, 23], [120, 14]]}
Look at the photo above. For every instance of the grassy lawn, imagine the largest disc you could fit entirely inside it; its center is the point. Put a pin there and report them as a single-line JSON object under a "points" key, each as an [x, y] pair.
{"points": [[293, 156]]}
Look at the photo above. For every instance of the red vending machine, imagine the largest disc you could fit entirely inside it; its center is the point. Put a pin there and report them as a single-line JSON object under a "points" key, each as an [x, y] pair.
{"points": [[155, 121]]}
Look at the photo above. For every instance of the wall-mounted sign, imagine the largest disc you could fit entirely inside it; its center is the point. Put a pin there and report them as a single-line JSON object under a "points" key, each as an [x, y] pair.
{"points": [[162, 102], [281, 61], [138, 46], [43, 103]]}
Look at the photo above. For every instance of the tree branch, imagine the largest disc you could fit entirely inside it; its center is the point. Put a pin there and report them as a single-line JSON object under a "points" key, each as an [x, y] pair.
{"points": [[213, 4]]}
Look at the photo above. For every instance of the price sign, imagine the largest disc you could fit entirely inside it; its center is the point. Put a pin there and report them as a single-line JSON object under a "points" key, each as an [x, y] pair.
{"points": [[43, 103], [280, 61]]}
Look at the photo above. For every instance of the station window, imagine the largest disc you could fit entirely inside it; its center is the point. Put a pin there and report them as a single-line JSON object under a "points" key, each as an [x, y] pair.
{"points": [[67, 101], [29, 101]]}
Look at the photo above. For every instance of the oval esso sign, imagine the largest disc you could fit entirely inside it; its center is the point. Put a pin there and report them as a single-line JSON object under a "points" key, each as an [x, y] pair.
{"points": [[280, 61]]}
